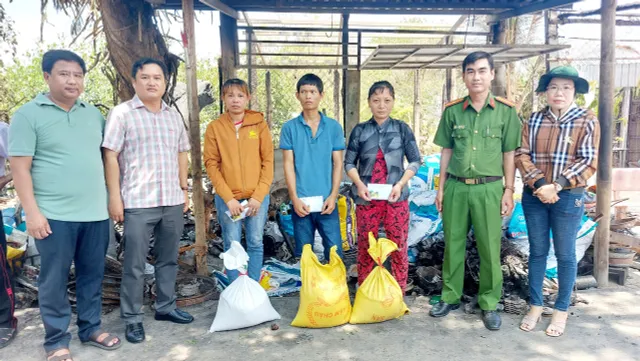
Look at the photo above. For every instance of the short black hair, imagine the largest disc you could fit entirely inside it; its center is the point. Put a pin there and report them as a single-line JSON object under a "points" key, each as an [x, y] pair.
{"points": [[51, 57], [310, 79], [380, 86], [475, 56], [140, 63]]}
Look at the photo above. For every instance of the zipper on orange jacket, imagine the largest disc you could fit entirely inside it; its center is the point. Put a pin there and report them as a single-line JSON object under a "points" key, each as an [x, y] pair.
{"points": [[240, 157]]}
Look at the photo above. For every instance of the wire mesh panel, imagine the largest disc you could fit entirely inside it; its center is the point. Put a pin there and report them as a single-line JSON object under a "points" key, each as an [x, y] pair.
{"points": [[278, 100]]}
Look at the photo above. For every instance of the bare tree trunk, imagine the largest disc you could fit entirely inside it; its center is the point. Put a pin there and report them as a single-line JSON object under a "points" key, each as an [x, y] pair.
{"points": [[131, 34]]}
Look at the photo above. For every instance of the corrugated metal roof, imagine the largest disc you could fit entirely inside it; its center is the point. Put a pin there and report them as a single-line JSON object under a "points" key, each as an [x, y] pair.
{"points": [[626, 74], [404, 56], [503, 8]]}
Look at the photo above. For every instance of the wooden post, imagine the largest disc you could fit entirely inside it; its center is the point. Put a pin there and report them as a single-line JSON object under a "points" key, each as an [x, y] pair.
{"points": [[345, 65], [352, 99], [550, 35], [194, 133], [605, 115], [267, 85], [625, 113], [336, 94], [500, 81], [448, 79], [250, 77], [228, 46], [416, 105]]}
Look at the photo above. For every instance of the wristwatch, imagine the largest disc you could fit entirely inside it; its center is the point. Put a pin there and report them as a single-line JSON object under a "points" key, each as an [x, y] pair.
{"points": [[184, 188], [557, 186]]}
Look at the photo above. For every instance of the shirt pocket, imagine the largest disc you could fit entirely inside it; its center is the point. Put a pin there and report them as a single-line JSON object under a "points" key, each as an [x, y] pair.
{"points": [[461, 142], [493, 139], [171, 137], [460, 137]]}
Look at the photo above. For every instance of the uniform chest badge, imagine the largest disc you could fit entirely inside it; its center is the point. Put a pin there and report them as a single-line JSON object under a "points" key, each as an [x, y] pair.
{"points": [[253, 134]]}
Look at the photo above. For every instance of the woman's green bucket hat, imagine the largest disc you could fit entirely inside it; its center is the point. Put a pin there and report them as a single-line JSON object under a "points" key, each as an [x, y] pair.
{"points": [[565, 72]]}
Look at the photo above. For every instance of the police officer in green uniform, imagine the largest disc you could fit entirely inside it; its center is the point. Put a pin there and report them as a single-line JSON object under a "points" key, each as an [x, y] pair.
{"points": [[478, 135]]}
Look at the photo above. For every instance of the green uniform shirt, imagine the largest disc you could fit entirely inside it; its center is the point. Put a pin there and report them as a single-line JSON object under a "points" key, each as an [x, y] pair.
{"points": [[478, 139], [67, 169]]}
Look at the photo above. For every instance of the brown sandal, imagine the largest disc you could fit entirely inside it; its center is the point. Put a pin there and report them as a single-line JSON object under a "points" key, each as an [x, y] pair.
{"points": [[104, 344], [63, 357]]}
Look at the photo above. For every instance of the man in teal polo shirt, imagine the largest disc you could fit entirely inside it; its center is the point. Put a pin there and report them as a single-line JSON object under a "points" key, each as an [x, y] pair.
{"points": [[312, 146], [56, 160]]}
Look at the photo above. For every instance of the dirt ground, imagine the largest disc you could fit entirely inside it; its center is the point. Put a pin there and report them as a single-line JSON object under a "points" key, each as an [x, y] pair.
{"points": [[608, 328]]}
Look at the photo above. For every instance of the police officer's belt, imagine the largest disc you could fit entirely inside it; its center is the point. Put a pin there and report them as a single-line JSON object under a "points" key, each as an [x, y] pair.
{"points": [[470, 181]]}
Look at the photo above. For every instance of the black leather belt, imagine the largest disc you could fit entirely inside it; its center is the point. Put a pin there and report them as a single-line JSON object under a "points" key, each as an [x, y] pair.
{"points": [[474, 181], [576, 190]]}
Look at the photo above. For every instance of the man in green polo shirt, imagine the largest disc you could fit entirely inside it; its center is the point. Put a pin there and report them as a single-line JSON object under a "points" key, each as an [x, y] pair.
{"points": [[56, 161], [478, 135]]}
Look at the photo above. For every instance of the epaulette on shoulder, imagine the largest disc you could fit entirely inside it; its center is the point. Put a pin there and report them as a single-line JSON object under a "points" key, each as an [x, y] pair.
{"points": [[506, 101], [454, 102]]}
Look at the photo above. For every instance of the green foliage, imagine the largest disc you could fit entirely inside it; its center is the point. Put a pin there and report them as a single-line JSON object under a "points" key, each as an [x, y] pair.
{"points": [[8, 40], [22, 80]]}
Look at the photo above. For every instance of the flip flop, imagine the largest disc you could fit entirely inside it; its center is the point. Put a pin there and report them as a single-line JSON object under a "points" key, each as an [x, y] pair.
{"points": [[104, 344], [63, 357], [6, 336]]}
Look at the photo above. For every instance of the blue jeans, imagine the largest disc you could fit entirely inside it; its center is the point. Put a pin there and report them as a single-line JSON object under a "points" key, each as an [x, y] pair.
{"points": [[563, 219], [85, 244], [254, 228], [328, 225]]}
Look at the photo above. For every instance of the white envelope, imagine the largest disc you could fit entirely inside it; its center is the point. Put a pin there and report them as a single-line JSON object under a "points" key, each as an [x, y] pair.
{"points": [[314, 203], [242, 215], [379, 191]]}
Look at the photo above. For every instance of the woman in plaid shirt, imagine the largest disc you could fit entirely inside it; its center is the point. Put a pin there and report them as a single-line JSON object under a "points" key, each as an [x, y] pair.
{"points": [[557, 157]]}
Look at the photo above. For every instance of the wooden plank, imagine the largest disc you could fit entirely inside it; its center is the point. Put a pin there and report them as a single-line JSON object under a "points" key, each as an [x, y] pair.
{"points": [[194, 134], [222, 7], [627, 240]]}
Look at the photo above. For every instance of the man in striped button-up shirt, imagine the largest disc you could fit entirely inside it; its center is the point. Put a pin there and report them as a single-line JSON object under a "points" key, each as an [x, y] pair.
{"points": [[146, 165]]}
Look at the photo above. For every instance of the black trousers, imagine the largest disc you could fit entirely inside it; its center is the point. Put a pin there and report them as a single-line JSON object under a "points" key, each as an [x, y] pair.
{"points": [[7, 299]]}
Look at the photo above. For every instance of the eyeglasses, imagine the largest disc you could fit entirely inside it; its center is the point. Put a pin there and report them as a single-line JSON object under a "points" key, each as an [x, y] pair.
{"points": [[556, 89]]}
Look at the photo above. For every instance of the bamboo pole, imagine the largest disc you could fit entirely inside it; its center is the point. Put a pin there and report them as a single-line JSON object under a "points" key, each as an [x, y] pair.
{"points": [[605, 151], [194, 133]]}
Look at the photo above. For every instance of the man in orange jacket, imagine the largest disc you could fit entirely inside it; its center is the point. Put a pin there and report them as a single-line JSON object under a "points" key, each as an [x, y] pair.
{"points": [[238, 156]]}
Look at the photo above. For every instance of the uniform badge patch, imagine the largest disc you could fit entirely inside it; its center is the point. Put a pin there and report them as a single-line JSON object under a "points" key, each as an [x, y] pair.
{"points": [[568, 140]]}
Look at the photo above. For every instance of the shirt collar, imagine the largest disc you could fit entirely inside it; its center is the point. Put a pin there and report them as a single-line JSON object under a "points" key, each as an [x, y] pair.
{"points": [[555, 117], [136, 103], [43, 99], [491, 102], [380, 126], [303, 122]]}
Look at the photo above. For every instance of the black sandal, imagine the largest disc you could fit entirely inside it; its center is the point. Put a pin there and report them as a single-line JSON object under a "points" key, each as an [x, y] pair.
{"points": [[6, 336]]}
